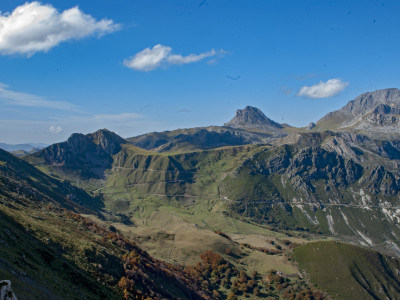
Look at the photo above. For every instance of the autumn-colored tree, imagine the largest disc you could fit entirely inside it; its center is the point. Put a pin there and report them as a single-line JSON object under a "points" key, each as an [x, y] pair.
{"points": [[242, 276], [216, 294], [251, 284], [212, 258], [234, 289], [232, 296], [243, 287]]}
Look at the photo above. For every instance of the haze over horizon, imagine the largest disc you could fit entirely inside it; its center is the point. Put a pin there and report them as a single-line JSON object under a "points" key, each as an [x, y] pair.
{"points": [[134, 67]]}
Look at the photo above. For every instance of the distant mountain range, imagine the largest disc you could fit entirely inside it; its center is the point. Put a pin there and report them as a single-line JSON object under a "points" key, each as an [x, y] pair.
{"points": [[22, 149], [251, 190]]}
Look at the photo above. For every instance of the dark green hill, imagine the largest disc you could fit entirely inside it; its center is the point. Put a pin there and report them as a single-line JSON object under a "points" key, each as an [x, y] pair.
{"points": [[350, 272], [18, 177]]}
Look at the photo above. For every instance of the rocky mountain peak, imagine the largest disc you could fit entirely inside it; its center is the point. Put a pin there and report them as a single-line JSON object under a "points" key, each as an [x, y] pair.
{"points": [[253, 118], [106, 138], [369, 101], [103, 138], [372, 113]]}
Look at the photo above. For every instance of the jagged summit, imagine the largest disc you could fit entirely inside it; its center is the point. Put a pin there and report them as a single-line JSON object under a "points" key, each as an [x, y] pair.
{"points": [[372, 112], [370, 100], [253, 118]]}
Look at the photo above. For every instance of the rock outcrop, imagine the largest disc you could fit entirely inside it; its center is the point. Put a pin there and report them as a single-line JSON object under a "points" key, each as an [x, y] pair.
{"points": [[90, 153]]}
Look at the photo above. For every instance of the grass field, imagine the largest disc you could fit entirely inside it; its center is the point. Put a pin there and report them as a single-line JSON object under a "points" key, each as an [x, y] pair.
{"points": [[349, 272]]}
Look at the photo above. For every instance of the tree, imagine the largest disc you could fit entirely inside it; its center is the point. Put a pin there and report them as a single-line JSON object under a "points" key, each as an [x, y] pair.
{"points": [[232, 296]]}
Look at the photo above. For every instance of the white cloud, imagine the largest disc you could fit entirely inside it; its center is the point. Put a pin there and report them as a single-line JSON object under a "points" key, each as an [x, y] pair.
{"points": [[55, 129], [323, 89], [148, 59], [151, 58], [23, 99], [33, 27], [177, 59]]}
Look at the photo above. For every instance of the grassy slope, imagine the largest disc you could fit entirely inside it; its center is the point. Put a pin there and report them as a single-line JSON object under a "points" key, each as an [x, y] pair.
{"points": [[43, 254], [44, 261], [350, 272], [149, 186], [50, 253]]}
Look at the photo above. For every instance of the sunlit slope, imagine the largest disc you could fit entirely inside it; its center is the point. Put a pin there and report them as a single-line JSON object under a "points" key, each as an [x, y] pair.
{"points": [[183, 178]]}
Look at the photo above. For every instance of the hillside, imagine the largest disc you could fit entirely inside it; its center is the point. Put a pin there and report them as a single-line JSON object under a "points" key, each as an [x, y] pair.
{"points": [[71, 256], [170, 191], [51, 252], [348, 272], [328, 183]]}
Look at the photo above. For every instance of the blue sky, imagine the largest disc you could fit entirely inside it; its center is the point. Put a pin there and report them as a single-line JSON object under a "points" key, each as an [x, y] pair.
{"points": [[140, 66]]}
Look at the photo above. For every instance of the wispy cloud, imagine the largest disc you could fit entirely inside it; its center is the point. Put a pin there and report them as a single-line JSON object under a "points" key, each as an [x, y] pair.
{"points": [[23, 99], [34, 27], [322, 89], [152, 58]]}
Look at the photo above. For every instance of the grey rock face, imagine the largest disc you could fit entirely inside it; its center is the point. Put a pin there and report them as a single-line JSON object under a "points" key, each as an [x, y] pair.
{"points": [[6, 292], [253, 118], [372, 113], [369, 101]]}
